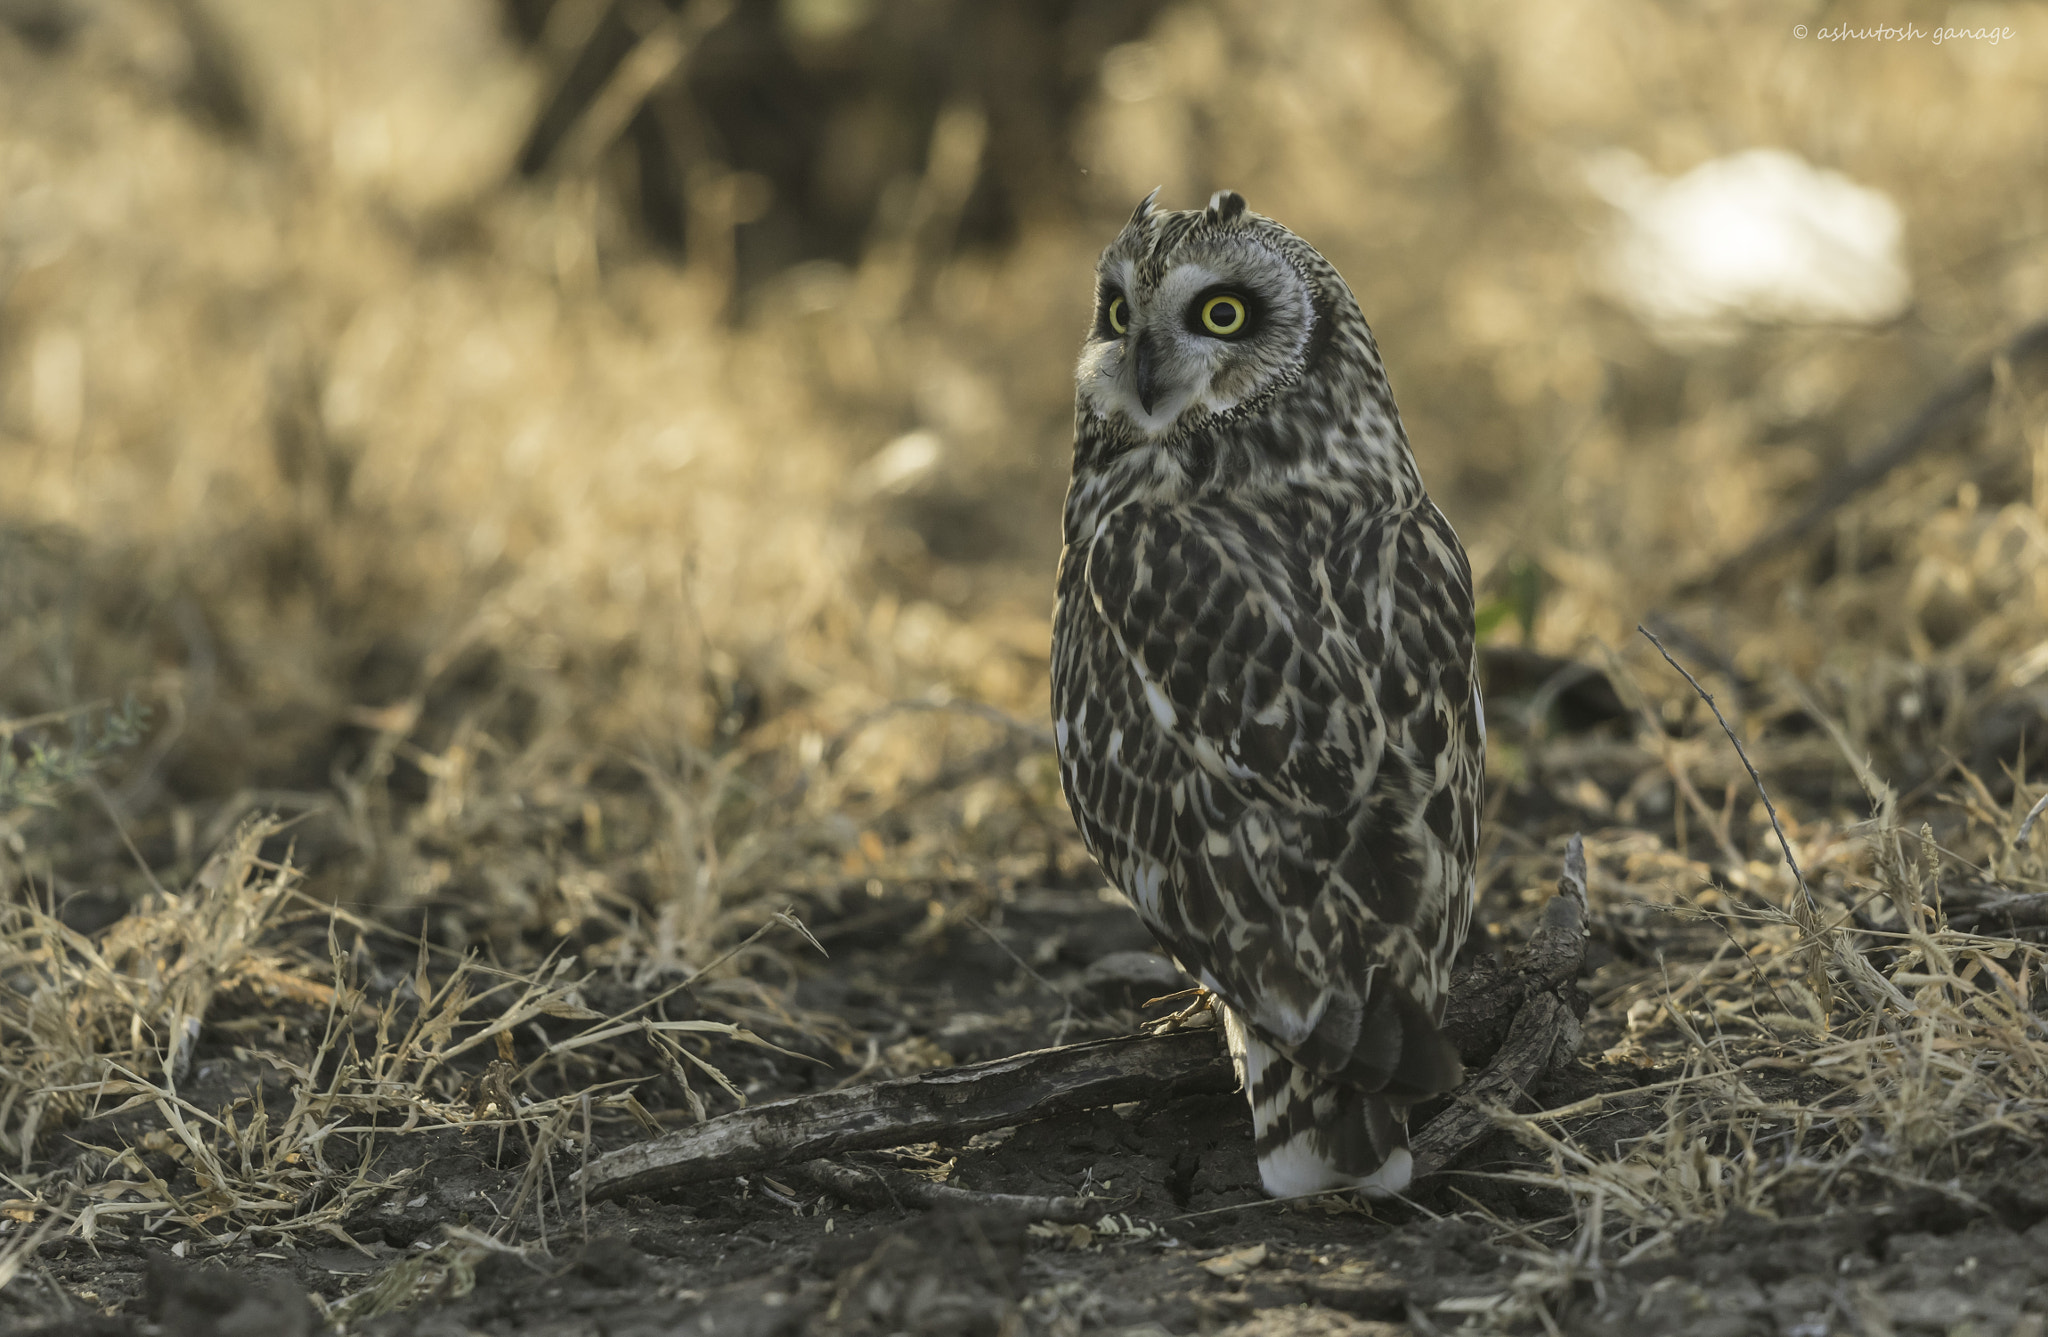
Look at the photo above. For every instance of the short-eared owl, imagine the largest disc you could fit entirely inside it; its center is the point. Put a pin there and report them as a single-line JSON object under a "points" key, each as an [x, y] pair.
{"points": [[1264, 686]]}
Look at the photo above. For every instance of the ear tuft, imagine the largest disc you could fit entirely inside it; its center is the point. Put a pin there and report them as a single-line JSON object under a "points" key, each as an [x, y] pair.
{"points": [[1144, 209], [1225, 208]]}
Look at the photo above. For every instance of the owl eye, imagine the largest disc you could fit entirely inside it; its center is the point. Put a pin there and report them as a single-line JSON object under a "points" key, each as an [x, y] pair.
{"points": [[1115, 314], [1223, 315]]}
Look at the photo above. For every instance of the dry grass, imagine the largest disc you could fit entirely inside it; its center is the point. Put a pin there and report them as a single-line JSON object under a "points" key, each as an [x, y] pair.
{"points": [[572, 626], [1849, 1049], [131, 1002], [94, 1028]]}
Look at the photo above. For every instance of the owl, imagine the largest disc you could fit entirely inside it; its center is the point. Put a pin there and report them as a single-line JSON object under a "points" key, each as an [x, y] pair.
{"points": [[1264, 682]]}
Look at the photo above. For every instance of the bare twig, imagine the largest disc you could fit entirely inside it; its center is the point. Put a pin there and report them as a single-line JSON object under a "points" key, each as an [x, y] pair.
{"points": [[106, 802], [1754, 778], [954, 1102], [948, 1102], [1487, 998], [2002, 911], [1545, 1030], [583, 129], [866, 1187], [13, 726], [1963, 393], [1059, 1033], [1543, 1025], [2020, 837]]}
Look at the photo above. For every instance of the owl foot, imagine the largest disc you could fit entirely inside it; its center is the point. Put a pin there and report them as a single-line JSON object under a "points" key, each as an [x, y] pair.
{"points": [[1201, 1002]]}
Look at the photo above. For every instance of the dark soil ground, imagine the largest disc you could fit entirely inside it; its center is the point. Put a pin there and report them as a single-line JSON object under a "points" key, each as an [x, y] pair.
{"points": [[1187, 1242], [523, 571]]}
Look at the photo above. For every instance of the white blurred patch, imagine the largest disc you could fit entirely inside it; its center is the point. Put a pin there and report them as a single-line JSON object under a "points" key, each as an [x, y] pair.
{"points": [[1133, 72], [424, 104], [898, 466], [825, 20], [56, 378], [1292, 1170], [1758, 236]]}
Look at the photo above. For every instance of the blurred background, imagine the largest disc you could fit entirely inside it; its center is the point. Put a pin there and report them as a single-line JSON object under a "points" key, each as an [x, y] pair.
{"points": [[594, 465]]}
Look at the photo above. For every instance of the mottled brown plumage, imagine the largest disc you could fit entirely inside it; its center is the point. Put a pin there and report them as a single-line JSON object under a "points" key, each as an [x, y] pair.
{"points": [[1264, 678]]}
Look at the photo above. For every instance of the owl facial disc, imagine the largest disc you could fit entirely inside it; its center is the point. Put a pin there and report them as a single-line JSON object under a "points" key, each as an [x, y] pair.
{"points": [[1198, 315]]}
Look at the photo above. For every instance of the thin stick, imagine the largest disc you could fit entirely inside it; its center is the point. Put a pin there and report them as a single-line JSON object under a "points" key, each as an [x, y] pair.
{"points": [[863, 1186], [2034, 812], [951, 1103], [942, 1103], [1060, 1028], [1754, 778], [1967, 391], [9, 727], [106, 801], [1254, 1206]]}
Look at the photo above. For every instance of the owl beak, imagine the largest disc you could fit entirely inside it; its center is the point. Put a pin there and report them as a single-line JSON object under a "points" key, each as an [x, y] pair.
{"points": [[1148, 368]]}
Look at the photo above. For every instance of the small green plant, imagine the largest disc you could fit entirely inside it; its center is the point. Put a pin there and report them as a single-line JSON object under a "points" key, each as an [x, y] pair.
{"points": [[1517, 594], [35, 773]]}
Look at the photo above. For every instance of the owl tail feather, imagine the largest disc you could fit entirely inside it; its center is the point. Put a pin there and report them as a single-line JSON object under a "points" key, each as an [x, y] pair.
{"points": [[1312, 1134]]}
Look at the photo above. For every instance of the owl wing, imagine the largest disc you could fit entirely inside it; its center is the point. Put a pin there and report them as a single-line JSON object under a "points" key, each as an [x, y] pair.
{"points": [[1289, 791]]}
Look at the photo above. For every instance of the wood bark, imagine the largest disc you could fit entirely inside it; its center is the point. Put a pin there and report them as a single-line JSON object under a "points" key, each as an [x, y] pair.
{"points": [[943, 1103], [1513, 1022]]}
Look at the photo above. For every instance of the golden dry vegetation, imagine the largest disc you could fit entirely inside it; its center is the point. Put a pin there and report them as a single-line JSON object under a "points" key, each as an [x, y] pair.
{"points": [[487, 575]]}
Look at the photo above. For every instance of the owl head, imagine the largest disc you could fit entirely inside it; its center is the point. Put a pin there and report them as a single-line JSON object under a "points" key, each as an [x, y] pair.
{"points": [[1224, 345]]}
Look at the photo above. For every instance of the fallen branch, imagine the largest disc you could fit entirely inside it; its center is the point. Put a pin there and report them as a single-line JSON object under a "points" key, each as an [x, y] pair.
{"points": [[1488, 998], [865, 1187], [1996, 912], [1544, 1031], [1531, 1000], [1964, 395], [944, 1103]]}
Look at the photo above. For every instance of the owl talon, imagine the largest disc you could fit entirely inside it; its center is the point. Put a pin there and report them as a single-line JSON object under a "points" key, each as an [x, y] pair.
{"points": [[1201, 1001]]}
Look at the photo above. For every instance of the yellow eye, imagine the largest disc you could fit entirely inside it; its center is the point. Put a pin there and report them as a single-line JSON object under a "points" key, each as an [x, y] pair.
{"points": [[1223, 315], [1116, 315]]}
